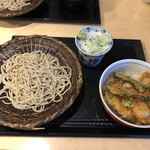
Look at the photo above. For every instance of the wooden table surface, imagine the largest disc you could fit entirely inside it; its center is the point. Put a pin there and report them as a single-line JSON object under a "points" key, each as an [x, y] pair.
{"points": [[124, 19]]}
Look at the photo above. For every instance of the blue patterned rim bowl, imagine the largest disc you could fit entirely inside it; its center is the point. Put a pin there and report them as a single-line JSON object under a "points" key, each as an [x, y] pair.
{"points": [[92, 59], [125, 66]]}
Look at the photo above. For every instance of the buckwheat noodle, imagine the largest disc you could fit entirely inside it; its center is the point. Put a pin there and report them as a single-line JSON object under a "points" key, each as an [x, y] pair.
{"points": [[33, 80], [13, 4]]}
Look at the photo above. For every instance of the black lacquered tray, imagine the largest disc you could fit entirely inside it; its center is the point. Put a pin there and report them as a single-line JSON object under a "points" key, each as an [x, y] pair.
{"points": [[56, 11], [87, 117]]}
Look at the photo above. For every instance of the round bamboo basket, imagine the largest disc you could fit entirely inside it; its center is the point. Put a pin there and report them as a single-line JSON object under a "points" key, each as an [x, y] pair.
{"points": [[28, 119], [26, 9]]}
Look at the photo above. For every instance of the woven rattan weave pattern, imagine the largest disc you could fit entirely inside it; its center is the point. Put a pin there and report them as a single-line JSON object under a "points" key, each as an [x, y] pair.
{"points": [[8, 13], [28, 119]]}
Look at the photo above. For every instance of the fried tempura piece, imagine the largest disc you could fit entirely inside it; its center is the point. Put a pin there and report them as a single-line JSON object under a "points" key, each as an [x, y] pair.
{"points": [[142, 113], [138, 114], [145, 78], [117, 87], [116, 103], [138, 86]]}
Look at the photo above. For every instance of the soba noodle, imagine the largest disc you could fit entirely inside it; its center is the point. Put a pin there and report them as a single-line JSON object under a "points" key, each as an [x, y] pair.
{"points": [[33, 80], [13, 4]]}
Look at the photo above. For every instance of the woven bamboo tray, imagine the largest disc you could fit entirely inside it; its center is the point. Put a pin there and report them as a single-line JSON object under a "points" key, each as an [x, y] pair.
{"points": [[28, 119], [8, 13]]}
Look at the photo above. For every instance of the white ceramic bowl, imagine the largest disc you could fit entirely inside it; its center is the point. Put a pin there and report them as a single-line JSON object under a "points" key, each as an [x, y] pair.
{"points": [[88, 59], [125, 66]]}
